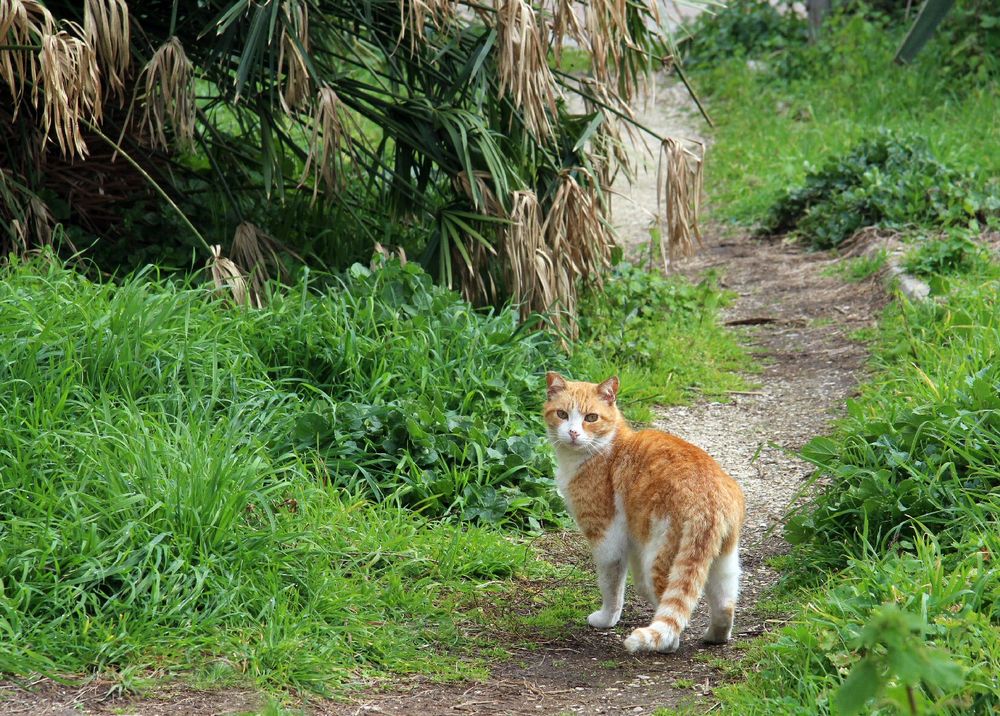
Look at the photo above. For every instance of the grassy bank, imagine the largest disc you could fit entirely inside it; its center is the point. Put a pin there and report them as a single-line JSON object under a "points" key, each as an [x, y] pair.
{"points": [[292, 497]]}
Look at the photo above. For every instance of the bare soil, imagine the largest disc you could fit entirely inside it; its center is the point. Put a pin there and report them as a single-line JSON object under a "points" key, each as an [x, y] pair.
{"points": [[798, 321]]}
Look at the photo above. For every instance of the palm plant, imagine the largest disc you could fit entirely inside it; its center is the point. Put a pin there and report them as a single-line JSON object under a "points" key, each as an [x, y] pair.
{"points": [[450, 114]]}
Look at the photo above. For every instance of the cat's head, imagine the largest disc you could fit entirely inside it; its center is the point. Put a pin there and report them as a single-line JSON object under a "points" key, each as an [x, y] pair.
{"points": [[581, 416]]}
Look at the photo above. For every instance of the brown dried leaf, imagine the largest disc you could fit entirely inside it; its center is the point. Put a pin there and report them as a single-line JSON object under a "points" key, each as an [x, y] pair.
{"points": [[70, 89], [678, 198], [106, 29], [169, 95], [523, 64]]}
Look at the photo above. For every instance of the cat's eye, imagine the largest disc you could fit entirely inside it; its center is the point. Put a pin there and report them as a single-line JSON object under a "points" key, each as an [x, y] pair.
{"points": [[590, 417], [562, 414]]}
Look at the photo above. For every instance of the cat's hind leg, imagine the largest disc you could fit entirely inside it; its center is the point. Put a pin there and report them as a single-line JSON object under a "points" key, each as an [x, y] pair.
{"points": [[678, 580], [721, 591], [610, 560]]}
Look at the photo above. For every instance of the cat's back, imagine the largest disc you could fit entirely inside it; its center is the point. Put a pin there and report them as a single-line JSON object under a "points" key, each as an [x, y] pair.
{"points": [[655, 467]]}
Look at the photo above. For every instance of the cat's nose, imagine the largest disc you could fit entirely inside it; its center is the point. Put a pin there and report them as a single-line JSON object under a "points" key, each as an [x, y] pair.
{"points": [[573, 434]]}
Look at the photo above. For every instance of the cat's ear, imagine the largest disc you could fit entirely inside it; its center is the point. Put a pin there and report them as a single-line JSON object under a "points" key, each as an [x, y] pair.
{"points": [[556, 383], [608, 390]]}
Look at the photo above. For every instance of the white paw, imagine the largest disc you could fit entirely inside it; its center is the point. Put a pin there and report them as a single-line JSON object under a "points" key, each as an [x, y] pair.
{"points": [[717, 634], [602, 620], [656, 637]]}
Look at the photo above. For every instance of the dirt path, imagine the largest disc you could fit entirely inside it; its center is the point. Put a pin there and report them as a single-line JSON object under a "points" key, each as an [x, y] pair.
{"points": [[799, 323]]}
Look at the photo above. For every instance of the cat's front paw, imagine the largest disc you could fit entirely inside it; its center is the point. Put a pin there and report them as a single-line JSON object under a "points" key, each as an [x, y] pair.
{"points": [[656, 637], [603, 620]]}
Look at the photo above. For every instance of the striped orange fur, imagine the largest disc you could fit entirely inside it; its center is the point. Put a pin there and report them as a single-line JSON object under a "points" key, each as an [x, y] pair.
{"points": [[650, 504]]}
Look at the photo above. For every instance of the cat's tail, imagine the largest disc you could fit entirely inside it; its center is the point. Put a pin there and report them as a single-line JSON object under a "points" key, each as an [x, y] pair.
{"points": [[699, 545]]}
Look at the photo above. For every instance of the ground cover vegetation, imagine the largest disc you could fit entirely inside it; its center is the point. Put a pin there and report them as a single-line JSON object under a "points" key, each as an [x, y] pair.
{"points": [[892, 586], [280, 494]]}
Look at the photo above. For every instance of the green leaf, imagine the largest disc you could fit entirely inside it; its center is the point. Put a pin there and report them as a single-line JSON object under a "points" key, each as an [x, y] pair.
{"points": [[860, 686]]}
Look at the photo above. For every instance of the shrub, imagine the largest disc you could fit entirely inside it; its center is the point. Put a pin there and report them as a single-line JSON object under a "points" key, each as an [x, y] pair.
{"points": [[951, 253], [754, 29], [885, 181]]}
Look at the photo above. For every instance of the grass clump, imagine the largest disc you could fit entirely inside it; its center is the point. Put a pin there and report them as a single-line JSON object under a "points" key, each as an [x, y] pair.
{"points": [[920, 450], [157, 509], [886, 181], [661, 335]]}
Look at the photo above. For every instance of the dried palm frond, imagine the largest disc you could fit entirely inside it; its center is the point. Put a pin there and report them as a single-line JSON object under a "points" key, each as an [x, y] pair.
{"points": [[565, 23], [226, 276], [70, 89], [106, 29], [523, 241], [291, 62], [678, 198], [479, 194], [21, 23], [169, 95], [609, 151], [523, 64], [331, 139], [257, 253], [575, 228], [607, 25], [414, 14]]}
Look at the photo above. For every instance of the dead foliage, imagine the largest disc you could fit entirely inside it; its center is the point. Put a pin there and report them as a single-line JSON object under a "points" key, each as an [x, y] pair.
{"points": [[292, 55], [414, 16], [678, 198], [257, 253], [229, 280], [106, 29], [22, 23], [169, 95], [329, 142], [525, 76], [69, 90]]}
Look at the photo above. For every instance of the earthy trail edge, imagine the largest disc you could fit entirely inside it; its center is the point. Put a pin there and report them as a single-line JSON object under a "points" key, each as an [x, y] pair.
{"points": [[799, 324]]}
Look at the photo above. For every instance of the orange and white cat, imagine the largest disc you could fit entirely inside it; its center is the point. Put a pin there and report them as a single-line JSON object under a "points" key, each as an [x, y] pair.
{"points": [[651, 504]]}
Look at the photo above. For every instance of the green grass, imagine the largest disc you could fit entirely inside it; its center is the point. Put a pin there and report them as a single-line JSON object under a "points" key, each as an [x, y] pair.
{"points": [[858, 269], [662, 337], [772, 129], [241, 497], [163, 506]]}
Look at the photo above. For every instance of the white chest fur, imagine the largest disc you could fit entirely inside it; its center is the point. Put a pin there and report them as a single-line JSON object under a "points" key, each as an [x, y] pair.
{"points": [[568, 463]]}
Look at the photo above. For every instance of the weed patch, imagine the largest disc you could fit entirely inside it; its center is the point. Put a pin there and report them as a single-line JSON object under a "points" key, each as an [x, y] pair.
{"points": [[662, 336], [884, 181]]}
